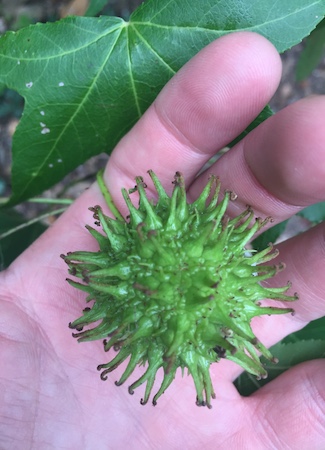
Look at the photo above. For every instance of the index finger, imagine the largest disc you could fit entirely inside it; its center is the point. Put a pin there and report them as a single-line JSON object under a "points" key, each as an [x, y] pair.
{"points": [[209, 102]]}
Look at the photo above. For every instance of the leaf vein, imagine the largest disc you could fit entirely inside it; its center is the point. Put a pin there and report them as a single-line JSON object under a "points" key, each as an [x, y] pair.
{"points": [[64, 53], [147, 44], [255, 26], [131, 74], [72, 118]]}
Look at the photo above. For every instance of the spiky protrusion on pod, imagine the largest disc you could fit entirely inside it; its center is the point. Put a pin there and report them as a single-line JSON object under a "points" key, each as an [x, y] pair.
{"points": [[174, 286]]}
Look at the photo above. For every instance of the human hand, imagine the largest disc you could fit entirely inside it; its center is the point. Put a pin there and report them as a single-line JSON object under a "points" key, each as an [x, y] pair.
{"points": [[51, 395]]}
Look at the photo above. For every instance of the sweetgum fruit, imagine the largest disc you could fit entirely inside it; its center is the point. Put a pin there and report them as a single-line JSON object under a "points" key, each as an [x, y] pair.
{"points": [[174, 286]]}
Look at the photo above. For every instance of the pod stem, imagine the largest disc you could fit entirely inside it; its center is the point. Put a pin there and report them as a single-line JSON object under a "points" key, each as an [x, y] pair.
{"points": [[107, 196]]}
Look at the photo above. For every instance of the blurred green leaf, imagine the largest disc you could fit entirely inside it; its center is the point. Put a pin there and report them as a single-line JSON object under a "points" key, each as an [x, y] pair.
{"points": [[12, 246], [95, 7], [289, 355], [23, 20], [2, 186], [269, 236], [313, 52], [265, 114], [11, 104], [314, 330], [314, 213]]}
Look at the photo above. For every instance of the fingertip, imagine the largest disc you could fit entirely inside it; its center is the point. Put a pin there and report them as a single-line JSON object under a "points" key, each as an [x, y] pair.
{"points": [[221, 90], [286, 153]]}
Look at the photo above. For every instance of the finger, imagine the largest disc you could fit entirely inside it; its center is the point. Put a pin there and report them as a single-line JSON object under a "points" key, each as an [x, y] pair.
{"points": [[279, 167], [289, 412], [206, 105], [304, 257]]}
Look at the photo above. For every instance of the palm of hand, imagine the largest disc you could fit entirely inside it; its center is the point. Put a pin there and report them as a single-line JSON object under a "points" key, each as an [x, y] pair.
{"points": [[51, 394], [57, 395]]}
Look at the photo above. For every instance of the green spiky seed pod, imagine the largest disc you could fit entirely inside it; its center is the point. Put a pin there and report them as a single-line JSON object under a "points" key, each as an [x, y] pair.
{"points": [[174, 286]]}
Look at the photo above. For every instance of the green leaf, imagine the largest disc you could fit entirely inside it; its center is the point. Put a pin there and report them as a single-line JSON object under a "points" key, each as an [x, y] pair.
{"points": [[11, 104], [311, 55], [314, 213], [285, 24], [86, 81], [13, 245], [314, 330], [265, 114], [289, 355], [95, 7], [269, 236]]}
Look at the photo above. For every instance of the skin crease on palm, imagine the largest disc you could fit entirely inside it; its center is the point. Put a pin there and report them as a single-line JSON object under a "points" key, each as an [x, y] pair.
{"points": [[51, 396]]}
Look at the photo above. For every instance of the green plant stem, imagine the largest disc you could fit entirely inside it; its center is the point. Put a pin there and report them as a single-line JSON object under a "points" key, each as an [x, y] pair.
{"points": [[31, 222], [52, 201], [48, 201], [107, 196]]}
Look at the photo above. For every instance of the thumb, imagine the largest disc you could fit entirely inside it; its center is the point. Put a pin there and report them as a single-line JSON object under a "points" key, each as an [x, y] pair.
{"points": [[290, 411]]}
